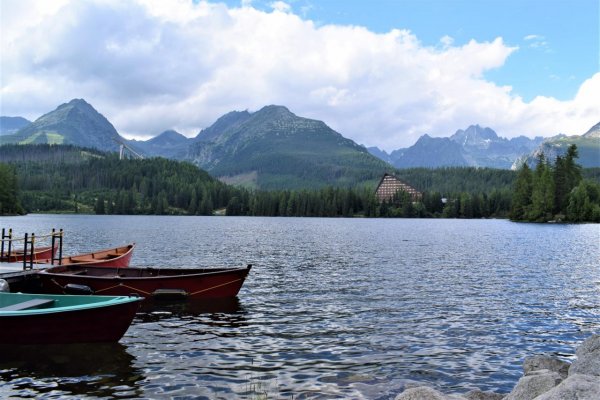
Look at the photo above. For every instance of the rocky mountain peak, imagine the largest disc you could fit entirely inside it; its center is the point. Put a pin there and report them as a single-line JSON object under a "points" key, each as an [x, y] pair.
{"points": [[475, 136], [75, 122], [593, 132], [169, 138]]}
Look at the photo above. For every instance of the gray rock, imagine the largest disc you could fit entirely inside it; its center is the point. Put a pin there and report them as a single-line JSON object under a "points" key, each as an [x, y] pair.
{"points": [[575, 387], [540, 362], [480, 395], [590, 345], [425, 393], [534, 384], [586, 364]]}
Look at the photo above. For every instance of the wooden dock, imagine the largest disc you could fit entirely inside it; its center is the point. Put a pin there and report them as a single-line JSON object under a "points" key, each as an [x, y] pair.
{"points": [[16, 277]]}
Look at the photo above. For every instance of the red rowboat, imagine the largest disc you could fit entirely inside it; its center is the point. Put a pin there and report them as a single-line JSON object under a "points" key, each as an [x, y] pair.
{"points": [[197, 283], [50, 319], [39, 253], [115, 257]]}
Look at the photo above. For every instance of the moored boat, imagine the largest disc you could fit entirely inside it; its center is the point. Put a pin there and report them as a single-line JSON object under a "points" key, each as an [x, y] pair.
{"points": [[39, 253], [54, 319], [113, 257], [196, 283]]}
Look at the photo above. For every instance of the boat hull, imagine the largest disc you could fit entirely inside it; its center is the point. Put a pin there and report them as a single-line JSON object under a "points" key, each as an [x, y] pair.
{"points": [[85, 324], [118, 257], [151, 283], [40, 253]]}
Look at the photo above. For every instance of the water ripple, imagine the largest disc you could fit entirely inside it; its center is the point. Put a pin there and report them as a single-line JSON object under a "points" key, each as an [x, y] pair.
{"points": [[333, 308]]}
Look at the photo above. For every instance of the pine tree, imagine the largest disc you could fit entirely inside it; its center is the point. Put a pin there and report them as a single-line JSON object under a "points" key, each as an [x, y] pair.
{"points": [[110, 209], [579, 208], [561, 187], [9, 191], [99, 208], [521, 199], [542, 194], [584, 203], [193, 205], [573, 170]]}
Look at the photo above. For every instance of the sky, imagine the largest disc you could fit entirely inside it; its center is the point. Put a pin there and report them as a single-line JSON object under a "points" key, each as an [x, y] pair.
{"points": [[382, 72]]}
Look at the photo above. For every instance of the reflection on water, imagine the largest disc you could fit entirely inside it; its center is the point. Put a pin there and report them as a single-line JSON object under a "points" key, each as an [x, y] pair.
{"points": [[189, 307], [103, 370], [336, 308]]}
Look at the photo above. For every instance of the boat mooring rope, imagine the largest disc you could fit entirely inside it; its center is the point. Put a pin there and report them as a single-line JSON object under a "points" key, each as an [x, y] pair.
{"points": [[34, 237], [123, 285], [214, 287], [148, 293]]}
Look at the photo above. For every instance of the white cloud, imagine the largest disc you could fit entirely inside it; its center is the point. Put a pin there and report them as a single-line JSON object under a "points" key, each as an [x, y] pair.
{"points": [[151, 65], [281, 6], [447, 41]]}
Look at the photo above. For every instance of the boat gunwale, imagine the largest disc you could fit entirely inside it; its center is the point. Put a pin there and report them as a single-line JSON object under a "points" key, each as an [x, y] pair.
{"points": [[142, 278], [108, 301], [92, 261]]}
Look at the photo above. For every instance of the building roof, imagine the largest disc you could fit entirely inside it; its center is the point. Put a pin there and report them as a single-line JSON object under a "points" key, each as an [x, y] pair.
{"points": [[390, 184]]}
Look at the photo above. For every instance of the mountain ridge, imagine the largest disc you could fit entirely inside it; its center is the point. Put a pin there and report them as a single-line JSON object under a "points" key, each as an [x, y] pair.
{"points": [[10, 125], [588, 147], [475, 146], [275, 148], [75, 122], [273, 145]]}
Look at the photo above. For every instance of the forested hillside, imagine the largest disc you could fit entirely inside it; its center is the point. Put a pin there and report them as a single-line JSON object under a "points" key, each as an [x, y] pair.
{"points": [[71, 179], [82, 180], [276, 149], [46, 153], [9, 201]]}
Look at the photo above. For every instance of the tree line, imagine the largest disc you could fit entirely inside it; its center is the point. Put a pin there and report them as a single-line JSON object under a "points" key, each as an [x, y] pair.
{"points": [[71, 179], [555, 192], [9, 189]]}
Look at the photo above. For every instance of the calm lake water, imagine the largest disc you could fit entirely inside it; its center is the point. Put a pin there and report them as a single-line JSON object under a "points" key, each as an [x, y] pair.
{"points": [[333, 308]]}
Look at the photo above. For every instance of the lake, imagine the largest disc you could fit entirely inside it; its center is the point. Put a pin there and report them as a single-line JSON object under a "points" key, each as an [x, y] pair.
{"points": [[333, 308]]}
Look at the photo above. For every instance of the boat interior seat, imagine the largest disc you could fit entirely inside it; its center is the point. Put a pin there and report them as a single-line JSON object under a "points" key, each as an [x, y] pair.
{"points": [[79, 259], [27, 305]]}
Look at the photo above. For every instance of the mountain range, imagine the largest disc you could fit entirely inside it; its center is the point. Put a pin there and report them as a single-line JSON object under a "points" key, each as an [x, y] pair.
{"points": [[475, 146], [273, 148], [269, 149], [482, 147], [588, 146]]}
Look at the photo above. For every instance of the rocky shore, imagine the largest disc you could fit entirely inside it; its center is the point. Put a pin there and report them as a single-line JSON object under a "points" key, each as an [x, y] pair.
{"points": [[544, 378]]}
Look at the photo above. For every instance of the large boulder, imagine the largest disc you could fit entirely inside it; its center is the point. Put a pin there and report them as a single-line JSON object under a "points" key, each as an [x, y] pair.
{"points": [[540, 362], [534, 384], [575, 387], [425, 393], [588, 346], [588, 358], [480, 395], [588, 365]]}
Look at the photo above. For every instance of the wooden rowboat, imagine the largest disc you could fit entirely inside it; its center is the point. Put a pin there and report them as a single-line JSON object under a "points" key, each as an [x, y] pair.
{"points": [[53, 319], [115, 257], [197, 283], [39, 253]]}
